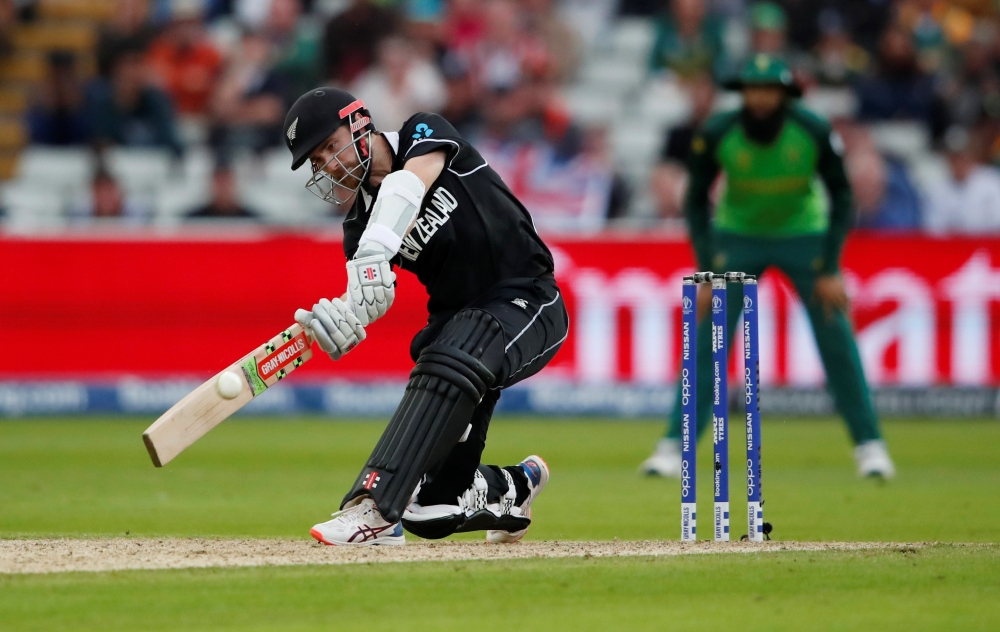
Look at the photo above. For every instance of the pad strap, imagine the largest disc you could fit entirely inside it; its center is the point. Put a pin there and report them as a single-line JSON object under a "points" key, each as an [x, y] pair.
{"points": [[381, 235]]}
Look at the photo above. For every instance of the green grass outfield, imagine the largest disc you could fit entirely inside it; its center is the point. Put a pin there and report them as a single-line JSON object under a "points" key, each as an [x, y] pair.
{"points": [[267, 478]]}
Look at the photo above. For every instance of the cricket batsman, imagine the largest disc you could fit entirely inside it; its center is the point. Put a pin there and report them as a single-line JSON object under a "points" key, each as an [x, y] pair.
{"points": [[423, 199], [772, 213]]}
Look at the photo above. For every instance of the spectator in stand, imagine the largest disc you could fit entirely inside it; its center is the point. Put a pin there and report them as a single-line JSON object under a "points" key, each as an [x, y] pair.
{"points": [[973, 92], [129, 29], [184, 59], [899, 89], [935, 28], [297, 46], [884, 195], [126, 110], [461, 107], [107, 202], [224, 203], [596, 153], [837, 61], [351, 38], [249, 103], [8, 19], [563, 43], [768, 29], [400, 84], [688, 41], [57, 116], [968, 202], [507, 55], [769, 35], [464, 27], [669, 179], [864, 20]]}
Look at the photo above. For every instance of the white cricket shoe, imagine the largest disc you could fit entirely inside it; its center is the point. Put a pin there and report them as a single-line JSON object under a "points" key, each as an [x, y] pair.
{"points": [[359, 525], [538, 477], [665, 461], [873, 459]]}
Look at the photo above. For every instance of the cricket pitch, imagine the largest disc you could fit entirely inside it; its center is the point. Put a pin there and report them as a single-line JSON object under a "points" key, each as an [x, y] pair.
{"points": [[117, 554]]}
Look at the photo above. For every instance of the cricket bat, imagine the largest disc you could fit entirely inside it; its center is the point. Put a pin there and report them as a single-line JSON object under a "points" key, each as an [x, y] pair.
{"points": [[214, 401]]}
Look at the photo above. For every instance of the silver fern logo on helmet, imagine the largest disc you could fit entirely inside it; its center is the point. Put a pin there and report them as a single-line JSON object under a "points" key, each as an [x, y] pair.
{"points": [[291, 129]]}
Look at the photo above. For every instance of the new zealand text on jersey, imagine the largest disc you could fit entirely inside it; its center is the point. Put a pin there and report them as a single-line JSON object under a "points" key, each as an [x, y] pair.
{"points": [[434, 216]]}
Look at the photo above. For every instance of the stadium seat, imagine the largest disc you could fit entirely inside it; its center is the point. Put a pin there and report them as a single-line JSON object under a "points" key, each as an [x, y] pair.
{"points": [[139, 170], [928, 171], [22, 67], [832, 103], [904, 139], [13, 100], [633, 38], [664, 104], [93, 10], [54, 169], [276, 205], [50, 36], [592, 107], [610, 75], [174, 201], [32, 207]]}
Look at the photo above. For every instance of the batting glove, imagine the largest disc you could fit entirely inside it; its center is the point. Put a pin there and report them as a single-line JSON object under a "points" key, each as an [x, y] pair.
{"points": [[370, 282], [334, 326]]}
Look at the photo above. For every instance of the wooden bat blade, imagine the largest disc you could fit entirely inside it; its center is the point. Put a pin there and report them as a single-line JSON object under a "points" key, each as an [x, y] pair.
{"points": [[204, 408]]}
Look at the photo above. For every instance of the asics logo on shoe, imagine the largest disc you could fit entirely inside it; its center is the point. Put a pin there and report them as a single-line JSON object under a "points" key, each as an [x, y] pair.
{"points": [[371, 533]]}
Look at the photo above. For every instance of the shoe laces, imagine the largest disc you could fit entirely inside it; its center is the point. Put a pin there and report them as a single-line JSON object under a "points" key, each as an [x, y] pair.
{"points": [[356, 514]]}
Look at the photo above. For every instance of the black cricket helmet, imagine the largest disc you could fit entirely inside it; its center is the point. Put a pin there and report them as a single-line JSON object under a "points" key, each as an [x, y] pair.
{"points": [[310, 121]]}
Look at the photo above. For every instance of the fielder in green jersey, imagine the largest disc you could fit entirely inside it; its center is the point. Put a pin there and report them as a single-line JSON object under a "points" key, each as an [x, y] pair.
{"points": [[772, 212]]}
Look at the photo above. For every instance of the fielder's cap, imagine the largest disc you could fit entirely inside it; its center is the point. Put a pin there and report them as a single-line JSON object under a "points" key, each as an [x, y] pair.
{"points": [[317, 114], [766, 70], [768, 16]]}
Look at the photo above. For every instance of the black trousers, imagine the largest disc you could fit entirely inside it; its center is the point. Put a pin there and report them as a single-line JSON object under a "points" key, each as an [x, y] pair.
{"points": [[535, 324]]}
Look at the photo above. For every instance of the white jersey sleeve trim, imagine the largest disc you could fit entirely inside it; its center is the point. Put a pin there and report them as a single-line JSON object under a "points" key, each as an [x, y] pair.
{"points": [[457, 146]]}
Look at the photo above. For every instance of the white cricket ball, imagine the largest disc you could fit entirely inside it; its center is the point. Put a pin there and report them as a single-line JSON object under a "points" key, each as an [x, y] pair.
{"points": [[229, 384]]}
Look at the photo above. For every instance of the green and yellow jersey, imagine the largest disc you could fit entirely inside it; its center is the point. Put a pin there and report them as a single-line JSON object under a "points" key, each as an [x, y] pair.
{"points": [[770, 190]]}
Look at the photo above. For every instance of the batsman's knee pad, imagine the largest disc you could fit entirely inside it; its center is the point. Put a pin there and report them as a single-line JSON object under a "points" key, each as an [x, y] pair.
{"points": [[446, 385]]}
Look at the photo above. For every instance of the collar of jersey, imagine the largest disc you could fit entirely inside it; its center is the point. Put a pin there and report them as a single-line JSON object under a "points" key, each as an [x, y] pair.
{"points": [[393, 139]]}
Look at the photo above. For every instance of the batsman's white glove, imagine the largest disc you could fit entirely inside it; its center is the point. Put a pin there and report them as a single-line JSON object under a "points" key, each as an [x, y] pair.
{"points": [[333, 325], [369, 277], [370, 282]]}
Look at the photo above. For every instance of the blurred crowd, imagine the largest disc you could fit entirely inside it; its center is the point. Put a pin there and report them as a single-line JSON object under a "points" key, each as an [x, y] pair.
{"points": [[174, 74], [935, 64]]}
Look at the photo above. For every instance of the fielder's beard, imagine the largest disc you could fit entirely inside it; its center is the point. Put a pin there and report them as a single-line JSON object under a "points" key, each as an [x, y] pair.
{"points": [[763, 130], [342, 190]]}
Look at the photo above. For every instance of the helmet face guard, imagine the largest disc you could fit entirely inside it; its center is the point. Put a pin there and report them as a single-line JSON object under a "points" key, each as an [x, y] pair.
{"points": [[342, 190]]}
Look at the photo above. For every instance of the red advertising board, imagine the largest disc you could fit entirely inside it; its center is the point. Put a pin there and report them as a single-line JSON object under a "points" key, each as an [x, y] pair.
{"points": [[927, 311]]}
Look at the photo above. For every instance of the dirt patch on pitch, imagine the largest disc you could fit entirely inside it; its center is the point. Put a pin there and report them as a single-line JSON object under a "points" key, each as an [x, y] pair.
{"points": [[65, 555]]}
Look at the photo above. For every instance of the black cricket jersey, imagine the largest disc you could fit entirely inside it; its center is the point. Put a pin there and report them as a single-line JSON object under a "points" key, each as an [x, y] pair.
{"points": [[471, 232]]}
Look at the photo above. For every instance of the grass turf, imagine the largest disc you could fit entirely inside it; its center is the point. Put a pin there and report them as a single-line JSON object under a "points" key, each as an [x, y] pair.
{"points": [[941, 588], [276, 478]]}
